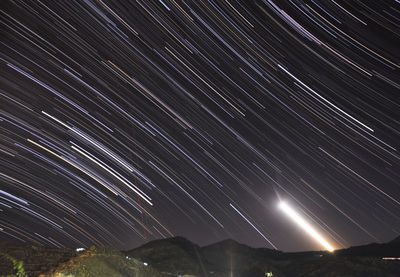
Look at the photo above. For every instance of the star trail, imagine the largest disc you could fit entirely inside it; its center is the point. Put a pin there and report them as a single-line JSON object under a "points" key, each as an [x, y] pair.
{"points": [[127, 121]]}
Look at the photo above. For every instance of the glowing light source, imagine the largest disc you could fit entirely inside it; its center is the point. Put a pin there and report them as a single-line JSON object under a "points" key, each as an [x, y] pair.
{"points": [[304, 225]]}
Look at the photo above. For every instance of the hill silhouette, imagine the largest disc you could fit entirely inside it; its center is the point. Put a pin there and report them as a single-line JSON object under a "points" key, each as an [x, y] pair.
{"points": [[178, 256], [220, 258]]}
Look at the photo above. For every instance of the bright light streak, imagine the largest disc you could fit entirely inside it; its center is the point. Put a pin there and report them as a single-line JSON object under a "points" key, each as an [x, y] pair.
{"points": [[304, 225]]}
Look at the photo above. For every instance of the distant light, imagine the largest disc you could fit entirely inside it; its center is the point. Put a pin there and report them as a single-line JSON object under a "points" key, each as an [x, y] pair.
{"points": [[390, 258], [145, 264], [304, 225], [79, 249]]}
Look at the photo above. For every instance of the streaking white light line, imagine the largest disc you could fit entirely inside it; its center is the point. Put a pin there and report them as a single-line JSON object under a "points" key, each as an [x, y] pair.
{"points": [[252, 225], [304, 225], [333, 105], [89, 140], [116, 176]]}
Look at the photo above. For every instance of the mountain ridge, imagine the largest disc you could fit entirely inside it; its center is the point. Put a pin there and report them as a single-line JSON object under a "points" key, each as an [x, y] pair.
{"points": [[218, 258], [178, 256]]}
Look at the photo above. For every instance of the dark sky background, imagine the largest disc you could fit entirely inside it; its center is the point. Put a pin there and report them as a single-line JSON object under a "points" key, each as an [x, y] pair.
{"points": [[127, 121]]}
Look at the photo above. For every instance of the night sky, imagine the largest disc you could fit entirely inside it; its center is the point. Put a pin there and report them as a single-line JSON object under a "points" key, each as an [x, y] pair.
{"points": [[128, 121]]}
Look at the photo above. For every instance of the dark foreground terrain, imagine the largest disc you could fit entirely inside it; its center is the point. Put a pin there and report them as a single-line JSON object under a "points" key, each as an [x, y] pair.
{"points": [[180, 257]]}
